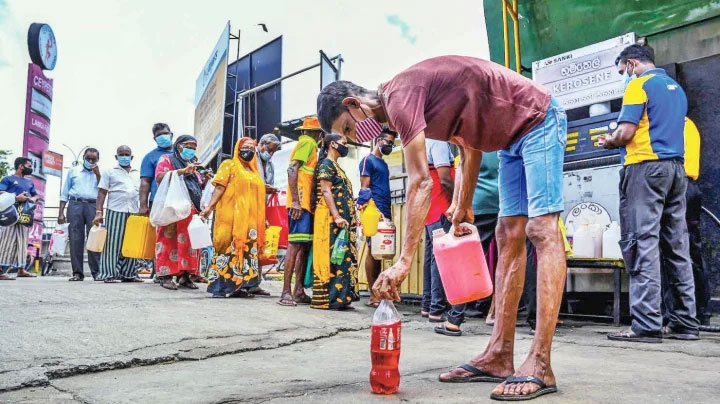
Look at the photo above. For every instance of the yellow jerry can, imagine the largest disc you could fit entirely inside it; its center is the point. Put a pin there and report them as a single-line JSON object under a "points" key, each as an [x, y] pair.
{"points": [[139, 239]]}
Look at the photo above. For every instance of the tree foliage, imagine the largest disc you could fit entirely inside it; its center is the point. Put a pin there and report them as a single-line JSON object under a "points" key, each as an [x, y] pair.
{"points": [[5, 167]]}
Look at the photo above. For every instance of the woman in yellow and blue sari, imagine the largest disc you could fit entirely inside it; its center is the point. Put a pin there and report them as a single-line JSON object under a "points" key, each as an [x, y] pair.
{"points": [[333, 285], [239, 233]]}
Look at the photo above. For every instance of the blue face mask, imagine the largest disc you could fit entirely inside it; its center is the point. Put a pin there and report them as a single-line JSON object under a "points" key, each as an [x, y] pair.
{"points": [[87, 165], [265, 156], [164, 141], [187, 154], [124, 161]]}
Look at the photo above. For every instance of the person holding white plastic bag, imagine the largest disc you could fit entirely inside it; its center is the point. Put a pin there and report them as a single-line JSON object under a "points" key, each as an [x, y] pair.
{"points": [[174, 257]]}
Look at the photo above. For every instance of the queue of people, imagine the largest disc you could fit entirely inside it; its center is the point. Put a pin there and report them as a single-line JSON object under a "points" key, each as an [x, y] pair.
{"points": [[511, 136]]}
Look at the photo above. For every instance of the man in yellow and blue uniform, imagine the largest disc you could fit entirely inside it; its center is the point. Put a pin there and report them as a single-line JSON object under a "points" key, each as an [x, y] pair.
{"points": [[652, 200]]}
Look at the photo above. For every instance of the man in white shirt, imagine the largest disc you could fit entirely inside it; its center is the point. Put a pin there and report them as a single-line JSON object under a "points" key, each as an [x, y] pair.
{"points": [[120, 186]]}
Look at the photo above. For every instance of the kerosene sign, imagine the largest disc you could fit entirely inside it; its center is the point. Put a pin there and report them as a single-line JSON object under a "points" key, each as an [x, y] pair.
{"points": [[584, 76], [42, 48]]}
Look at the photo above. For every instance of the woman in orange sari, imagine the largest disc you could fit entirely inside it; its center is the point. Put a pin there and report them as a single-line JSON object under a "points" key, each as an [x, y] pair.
{"points": [[239, 233]]}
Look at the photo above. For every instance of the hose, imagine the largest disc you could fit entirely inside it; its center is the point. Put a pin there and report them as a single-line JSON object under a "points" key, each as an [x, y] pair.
{"points": [[710, 328]]}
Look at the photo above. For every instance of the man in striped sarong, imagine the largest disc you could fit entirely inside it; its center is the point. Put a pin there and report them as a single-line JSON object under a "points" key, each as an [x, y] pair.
{"points": [[14, 239], [119, 186]]}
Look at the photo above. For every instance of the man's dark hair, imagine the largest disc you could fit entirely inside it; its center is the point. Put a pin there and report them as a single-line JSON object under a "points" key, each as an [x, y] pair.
{"points": [[91, 150], [638, 52], [20, 161], [329, 101], [158, 127], [387, 131]]}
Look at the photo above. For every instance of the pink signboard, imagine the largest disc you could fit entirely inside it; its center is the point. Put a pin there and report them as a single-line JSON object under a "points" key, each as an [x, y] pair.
{"points": [[36, 137]]}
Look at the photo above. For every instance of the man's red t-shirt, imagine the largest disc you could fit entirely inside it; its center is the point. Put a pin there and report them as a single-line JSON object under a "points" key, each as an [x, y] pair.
{"points": [[481, 104]]}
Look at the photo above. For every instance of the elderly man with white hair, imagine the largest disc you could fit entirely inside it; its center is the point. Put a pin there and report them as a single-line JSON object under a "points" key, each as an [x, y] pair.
{"points": [[267, 146]]}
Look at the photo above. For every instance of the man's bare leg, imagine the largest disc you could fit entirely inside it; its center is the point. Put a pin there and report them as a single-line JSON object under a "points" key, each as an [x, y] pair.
{"points": [[545, 235], [300, 267], [290, 260], [510, 277]]}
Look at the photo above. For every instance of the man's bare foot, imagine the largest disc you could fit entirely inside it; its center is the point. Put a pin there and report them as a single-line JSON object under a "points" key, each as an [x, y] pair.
{"points": [[302, 298], [533, 366], [494, 368]]}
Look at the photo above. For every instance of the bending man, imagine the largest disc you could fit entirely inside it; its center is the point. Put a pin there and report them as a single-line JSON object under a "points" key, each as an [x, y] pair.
{"points": [[480, 106]]}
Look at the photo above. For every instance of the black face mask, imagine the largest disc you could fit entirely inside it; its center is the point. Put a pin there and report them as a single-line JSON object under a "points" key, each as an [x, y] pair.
{"points": [[247, 155], [27, 171], [342, 150], [386, 149]]}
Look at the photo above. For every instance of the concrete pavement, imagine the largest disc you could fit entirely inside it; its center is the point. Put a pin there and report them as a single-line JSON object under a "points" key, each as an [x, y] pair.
{"points": [[90, 342]]}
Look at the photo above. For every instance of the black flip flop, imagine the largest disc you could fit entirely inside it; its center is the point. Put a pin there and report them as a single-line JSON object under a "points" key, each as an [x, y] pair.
{"points": [[478, 376], [442, 329], [544, 389]]}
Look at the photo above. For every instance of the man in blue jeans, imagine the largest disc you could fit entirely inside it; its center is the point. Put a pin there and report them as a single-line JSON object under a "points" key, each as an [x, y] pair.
{"points": [[442, 172], [480, 106]]}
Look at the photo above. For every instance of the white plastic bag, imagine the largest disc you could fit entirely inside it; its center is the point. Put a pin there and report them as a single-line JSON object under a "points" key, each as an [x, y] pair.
{"points": [[172, 201], [199, 233], [207, 196], [59, 239]]}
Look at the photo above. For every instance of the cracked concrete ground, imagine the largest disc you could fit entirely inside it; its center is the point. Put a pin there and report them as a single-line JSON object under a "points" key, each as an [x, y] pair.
{"points": [[90, 342]]}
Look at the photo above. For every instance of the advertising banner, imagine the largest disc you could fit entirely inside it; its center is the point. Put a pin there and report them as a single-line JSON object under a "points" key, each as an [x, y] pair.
{"points": [[52, 163], [38, 107], [584, 76], [210, 100]]}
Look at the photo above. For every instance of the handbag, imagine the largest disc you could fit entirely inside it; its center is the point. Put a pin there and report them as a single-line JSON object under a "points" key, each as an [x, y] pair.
{"points": [[276, 215], [26, 213]]}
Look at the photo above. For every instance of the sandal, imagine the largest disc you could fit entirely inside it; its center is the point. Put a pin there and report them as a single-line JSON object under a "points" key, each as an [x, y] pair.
{"points": [[168, 284], [436, 319], [242, 294], [257, 290], [442, 329], [186, 282], [76, 278], [478, 375], [110, 280], [630, 336], [287, 302], [544, 389], [305, 299], [372, 304], [134, 279]]}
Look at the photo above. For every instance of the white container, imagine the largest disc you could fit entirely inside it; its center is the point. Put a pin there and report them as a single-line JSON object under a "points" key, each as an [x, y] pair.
{"points": [[610, 246], [59, 239], [587, 241], [199, 233], [7, 199], [96, 239], [570, 232], [383, 242]]}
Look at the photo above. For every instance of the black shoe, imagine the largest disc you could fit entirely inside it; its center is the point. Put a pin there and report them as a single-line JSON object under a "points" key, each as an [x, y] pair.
{"points": [[76, 278], [669, 333]]}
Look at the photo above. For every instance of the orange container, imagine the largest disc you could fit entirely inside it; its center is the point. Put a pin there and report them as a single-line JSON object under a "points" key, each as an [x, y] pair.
{"points": [[462, 266]]}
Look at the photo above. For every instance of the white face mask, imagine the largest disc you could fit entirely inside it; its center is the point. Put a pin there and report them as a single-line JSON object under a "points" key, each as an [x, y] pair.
{"points": [[627, 76]]}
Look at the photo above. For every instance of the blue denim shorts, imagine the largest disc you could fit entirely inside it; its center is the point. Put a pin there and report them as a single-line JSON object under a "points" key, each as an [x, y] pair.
{"points": [[530, 179]]}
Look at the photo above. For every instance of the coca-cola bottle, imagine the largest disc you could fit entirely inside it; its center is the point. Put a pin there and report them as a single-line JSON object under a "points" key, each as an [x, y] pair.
{"points": [[385, 349]]}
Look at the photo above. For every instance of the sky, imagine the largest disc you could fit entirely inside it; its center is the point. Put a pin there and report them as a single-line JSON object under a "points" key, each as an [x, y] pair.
{"points": [[124, 65]]}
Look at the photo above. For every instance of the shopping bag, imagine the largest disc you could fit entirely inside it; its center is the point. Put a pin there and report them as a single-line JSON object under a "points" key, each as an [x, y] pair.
{"points": [[206, 196], [276, 215], [172, 201], [26, 212], [59, 239]]}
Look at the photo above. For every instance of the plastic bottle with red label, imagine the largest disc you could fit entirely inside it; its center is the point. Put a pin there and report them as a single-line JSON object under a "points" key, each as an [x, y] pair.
{"points": [[385, 349]]}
